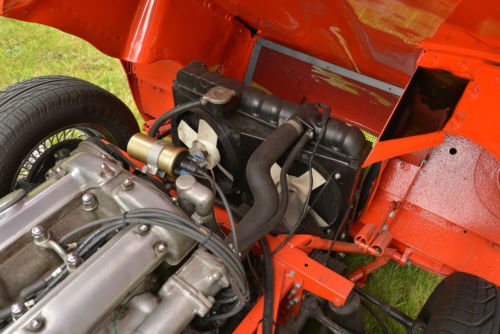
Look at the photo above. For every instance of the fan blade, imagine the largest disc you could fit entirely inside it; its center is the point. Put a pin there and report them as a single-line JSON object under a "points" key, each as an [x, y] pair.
{"points": [[225, 172], [275, 173], [186, 134], [303, 180], [206, 134]]}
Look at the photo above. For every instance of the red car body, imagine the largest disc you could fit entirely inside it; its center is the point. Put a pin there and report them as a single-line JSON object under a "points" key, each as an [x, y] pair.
{"points": [[437, 201]]}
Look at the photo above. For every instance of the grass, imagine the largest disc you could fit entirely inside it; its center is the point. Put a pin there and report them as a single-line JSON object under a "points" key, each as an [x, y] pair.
{"points": [[28, 50]]}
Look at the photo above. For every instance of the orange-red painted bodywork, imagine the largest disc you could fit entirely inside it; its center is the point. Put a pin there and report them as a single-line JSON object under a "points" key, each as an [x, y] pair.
{"points": [[436, 208]]}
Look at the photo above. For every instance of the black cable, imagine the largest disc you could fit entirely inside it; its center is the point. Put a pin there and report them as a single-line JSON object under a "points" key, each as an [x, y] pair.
{"points": [[267, 317], [284, 170], [226, 206], [341, 227], [172, 221], [171, 114], [324, 123], [52, 284], [381, 323]]}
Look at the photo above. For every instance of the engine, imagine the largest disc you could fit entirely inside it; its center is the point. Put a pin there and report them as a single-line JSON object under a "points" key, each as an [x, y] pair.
{"points": [[107, 246]]}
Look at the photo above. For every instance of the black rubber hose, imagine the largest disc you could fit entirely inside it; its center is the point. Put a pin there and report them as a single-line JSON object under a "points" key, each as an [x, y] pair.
{"points": [[267, 317], [171, 114], [255, 224]]}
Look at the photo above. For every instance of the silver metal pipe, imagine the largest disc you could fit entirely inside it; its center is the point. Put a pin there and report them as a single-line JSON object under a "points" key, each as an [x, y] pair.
{"points": [[187, 293]]}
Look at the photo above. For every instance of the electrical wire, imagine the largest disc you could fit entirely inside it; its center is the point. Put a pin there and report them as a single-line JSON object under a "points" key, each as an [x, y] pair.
{"points": [[267, 317], [283, 179], [381, 323], [182, 225], [324, 123], [171, 114], [227, 207]]}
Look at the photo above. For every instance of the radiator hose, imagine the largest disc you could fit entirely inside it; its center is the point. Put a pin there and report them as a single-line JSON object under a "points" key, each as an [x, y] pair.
{"points": [[255, 224]]}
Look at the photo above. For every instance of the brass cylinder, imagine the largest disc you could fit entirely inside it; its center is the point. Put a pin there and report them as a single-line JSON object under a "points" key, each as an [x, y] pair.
{"points": [[140, 147]]}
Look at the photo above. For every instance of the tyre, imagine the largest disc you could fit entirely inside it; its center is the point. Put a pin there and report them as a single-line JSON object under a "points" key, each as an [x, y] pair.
{"points": [[463, 303], [43, 119]]}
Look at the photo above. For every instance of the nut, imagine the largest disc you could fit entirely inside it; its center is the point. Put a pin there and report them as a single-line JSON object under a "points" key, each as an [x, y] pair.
{"points": [[127, 184], [89, 202], [38, 233], [142, 229], [72, 261], [160, 248], [36, 324]]}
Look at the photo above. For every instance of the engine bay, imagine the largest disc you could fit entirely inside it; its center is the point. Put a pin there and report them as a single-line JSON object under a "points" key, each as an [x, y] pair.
{"points": [[130, 242]]}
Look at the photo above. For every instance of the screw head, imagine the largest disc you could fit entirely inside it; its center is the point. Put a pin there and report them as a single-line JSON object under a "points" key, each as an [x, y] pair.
{"points": [[160, 248], [36, 324], [385, 228], [291, 273], [298, 285], [391, 214], [17, 309], [127, 184]]}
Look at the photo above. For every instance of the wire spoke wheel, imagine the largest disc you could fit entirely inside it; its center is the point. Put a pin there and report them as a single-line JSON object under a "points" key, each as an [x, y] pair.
{"points": [[50, 150], [46, 118]]}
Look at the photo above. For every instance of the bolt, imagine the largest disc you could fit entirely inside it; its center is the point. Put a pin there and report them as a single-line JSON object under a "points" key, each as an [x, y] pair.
{"points": [[310, 134], [385, 228], [106, 171], [89, 202], [38, 233], [296, 300], [60, 171], [342, 236], [298, 285], [391, 214], [142, 229], [341, 255], [291, 273], [17, 309], [36, 324], [127, 184], [293, 292], [337, 176], [160, 248], [72, 261], [174, 200]]}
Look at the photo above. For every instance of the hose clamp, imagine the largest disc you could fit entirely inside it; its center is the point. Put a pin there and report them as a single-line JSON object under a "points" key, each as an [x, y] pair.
{"points": [[296, 124]]}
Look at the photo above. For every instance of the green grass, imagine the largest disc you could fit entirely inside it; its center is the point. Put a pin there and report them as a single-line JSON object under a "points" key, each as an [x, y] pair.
{"points": [[28, 50]]}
